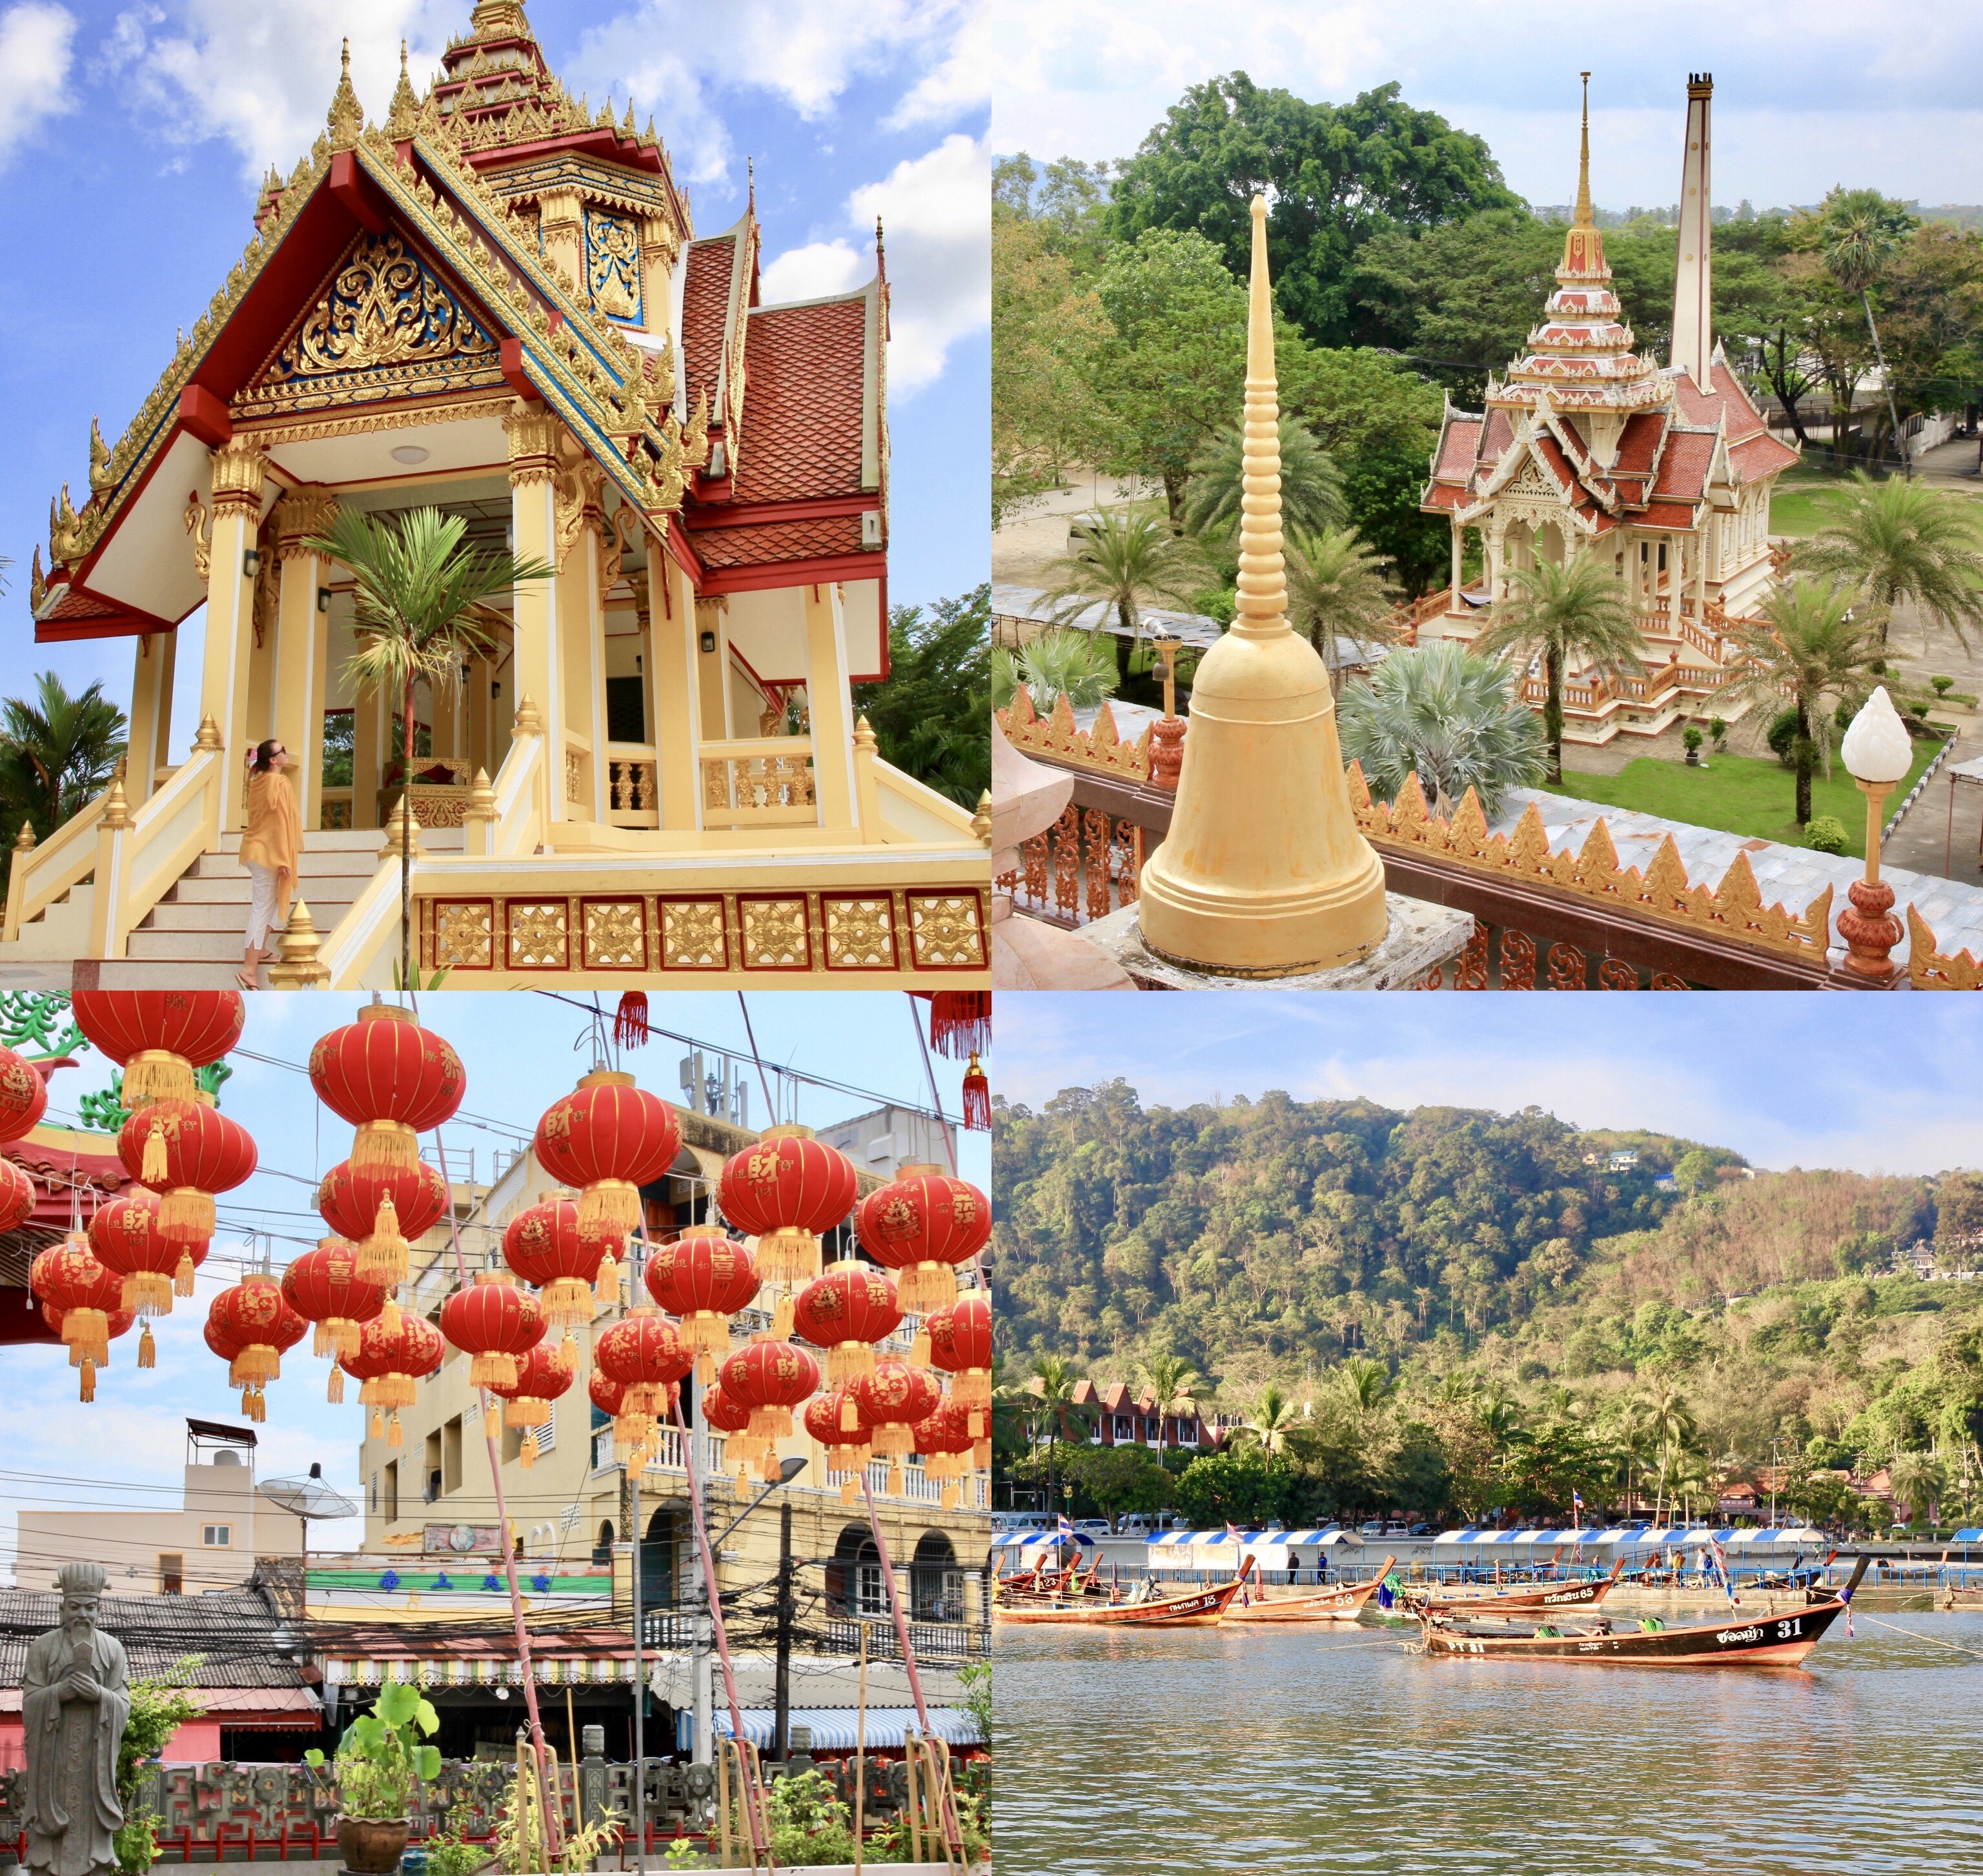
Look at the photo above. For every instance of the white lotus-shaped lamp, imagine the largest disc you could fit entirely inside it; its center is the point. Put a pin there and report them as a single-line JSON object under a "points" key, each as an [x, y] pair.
{"points": [[1878, 753], [1876, 748]]}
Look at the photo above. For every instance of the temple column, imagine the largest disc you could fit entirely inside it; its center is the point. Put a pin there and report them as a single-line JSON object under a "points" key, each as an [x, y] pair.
{"points": [[370, 733], [712, 669], [830, 705], [230, 613], [1459, 541], [151, 714], [671, 687], [581, 637], [657, 262], [1676, 579], [563, 227], [535, 672], [302, 642]]}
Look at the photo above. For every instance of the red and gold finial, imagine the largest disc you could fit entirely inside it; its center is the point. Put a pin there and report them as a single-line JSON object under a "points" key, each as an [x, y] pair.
{"points": [[1583, 246]]}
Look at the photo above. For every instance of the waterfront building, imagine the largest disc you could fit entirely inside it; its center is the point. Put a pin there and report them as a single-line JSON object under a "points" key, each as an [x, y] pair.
{"points": [[495, 303]]}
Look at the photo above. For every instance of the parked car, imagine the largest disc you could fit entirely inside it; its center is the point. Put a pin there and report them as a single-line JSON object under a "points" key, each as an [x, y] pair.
{"points": [[1374, 1528], [1397, 1530], [1092, 1527], [1420, 1530]]}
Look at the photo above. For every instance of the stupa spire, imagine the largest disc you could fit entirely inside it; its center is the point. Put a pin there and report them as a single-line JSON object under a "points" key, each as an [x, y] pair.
{"points": [[1261, 607], [1583, 218], [1583, 246]]}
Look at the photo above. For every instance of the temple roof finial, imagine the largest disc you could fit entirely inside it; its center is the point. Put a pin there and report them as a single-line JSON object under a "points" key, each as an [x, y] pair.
{"points": [[1262, 601], [1583, 246], [1583, 215], [345, 118]]}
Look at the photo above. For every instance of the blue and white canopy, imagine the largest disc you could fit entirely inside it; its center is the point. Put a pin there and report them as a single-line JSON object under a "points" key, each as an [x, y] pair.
{"points": [[834, 1728], [1969, 1537], [1017, 1540], [1334, 1533]]}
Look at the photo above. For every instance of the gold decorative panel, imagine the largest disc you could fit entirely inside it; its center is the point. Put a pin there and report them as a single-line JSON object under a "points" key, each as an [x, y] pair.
{"points": [[775, 934], [615, 934], [613, 263], [464, 934], [946, 932], [860, 933], [540, 934], [692, 935]]}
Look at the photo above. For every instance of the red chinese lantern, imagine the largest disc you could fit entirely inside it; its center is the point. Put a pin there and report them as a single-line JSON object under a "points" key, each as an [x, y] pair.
{"points": [[323, 1286], [960, 1343], [630, 1430], [544, 1245], [24, 1095], [83, 1301], [720, 1414], [704, 1278], [381, 1209], [186, 1151], [254, 1314], [945, 1442], [924, 1223], [541, 1378], [493, 1321], [390, 1359], [770, 1378], [609, 1137], [785, 1191], [391, 1079], [893, 1399], [835, 1420], [17, 1194], [160, 1036], [644, 1354], [125, 1235], [121, 1321], [847, 1311]]}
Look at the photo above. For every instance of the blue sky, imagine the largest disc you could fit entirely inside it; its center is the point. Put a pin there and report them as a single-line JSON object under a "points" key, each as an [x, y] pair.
{"points": [[1871, 1084], [131, 139], [1807, 92], [521, 1053]]}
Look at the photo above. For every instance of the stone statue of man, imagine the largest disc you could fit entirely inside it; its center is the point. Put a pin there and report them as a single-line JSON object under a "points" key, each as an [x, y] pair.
{"points": [[74, 1706]]}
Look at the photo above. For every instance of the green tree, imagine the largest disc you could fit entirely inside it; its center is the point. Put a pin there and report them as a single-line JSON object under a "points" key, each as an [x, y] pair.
{"points": [[57, 752], [1446, 716], [1052, 1389], [1569, 613], [1126, 557], [1078, 666], [1311, 490], [928, 715], [1902, 541], [1669, 1422], [1269, 1420], [1336, 176], [1336, 591], [422, 604], [1858, 231], [1172, 1382], [160, 1705], [1246, 1487], [1803, 642], [1918, 1481]]}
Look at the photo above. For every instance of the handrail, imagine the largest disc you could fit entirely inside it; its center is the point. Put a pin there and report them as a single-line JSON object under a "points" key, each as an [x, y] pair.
{"points": [[519, 820], [140, 860], [740, 748], [41, 875], [370, 924]]}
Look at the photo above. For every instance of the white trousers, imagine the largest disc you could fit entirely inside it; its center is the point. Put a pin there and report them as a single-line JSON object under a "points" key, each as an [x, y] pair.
{"points": [[261, 907]]}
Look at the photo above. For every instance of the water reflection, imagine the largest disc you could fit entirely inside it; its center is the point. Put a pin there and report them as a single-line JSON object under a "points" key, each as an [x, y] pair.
{"points": [[1219, 1749]]}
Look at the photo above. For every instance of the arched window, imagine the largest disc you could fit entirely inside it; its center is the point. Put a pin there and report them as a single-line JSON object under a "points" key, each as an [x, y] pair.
{"points": [[936, 1584], [602, 1552], [661, 1577], [854, 1585]]}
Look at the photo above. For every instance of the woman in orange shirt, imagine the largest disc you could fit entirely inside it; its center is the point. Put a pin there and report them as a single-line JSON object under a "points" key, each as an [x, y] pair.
{"points": [[269, 850]]}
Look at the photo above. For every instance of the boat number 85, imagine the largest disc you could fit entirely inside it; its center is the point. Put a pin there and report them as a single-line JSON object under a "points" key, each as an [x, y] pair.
{"points": [[1786, 1629]]}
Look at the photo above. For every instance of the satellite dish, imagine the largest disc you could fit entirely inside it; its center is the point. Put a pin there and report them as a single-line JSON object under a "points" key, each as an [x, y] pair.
{"points": [[308, 1497]]}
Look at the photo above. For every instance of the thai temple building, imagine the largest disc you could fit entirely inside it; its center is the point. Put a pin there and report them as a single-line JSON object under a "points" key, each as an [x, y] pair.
{"points": [[496, 303], [1586, 448]]}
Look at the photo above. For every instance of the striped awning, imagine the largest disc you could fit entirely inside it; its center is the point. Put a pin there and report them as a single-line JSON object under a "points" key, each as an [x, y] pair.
{"points": [[480, 1670], [834, 1728]]}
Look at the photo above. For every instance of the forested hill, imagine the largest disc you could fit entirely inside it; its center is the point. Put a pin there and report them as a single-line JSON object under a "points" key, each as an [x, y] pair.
{"points": [[1255, 1234]]}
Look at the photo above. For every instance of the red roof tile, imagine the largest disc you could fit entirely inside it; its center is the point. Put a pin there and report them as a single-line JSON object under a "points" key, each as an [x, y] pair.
{"points": [[769, 543], [1743, 419], [1666, 515], [1500, 434], [1459, 447], [1444, 495], [705, 304], [1639, 443], [1760, 455], [1684, 469], [1557, 463], [806, 372]]}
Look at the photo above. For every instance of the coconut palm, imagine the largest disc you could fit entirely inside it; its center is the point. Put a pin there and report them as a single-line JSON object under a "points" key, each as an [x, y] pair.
{"points": [[1572, 613], [1171, 1383], [57, 752], [1312, 498], [423, 606], [1051, 1392], [1805, 643], [1902, 541], [1127, 558], [1450, 718], [1860, 231], [1269, 1420], [1365, 1384], [1336, 590], [1917, 1480], [1669, 1422]]}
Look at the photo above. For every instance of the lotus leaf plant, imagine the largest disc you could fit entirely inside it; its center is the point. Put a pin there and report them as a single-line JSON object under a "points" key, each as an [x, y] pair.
{"points": [[381, 1757]]}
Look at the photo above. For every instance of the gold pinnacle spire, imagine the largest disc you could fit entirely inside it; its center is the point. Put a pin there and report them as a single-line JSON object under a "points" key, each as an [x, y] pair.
{"points": [[1262, 604], [1584, 216], [1583, 245]]}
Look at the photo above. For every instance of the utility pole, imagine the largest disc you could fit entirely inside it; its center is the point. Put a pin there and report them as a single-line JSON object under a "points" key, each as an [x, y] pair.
{"points": [[787, 1609], [702, 1673]]}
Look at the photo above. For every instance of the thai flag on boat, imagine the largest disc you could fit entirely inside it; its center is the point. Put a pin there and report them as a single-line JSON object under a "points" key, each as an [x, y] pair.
{"points": [[1721, 1568], [1066, 1529]]}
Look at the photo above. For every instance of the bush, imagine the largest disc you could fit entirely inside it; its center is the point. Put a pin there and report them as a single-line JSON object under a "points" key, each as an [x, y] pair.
{"points": [[1690, 736], [1717, 727], [1782, 736], [1943, 685], [1826, 834]]}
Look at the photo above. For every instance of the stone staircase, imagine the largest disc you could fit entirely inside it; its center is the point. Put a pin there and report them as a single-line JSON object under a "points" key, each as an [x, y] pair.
{"points": [[192, 938]]}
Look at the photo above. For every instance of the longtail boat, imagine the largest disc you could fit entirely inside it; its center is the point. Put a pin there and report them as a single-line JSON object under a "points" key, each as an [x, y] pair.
{"points": [[1197, 1609], [1757, 1641], [1338, 1605], [1542, 1596]]}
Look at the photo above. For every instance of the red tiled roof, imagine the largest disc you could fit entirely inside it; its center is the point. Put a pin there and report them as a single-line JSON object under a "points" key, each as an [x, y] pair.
{"points": [[1445, 495], [1500, 434], [1458, 447], [1553, 458], [705, 304], [1743, 419], [1666, 515], [1684, 469], [806, 373], [771, 541], [1757, 455], [1639, 443]]}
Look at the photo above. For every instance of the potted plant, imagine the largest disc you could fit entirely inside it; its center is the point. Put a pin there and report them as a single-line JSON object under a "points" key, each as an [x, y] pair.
{"points": [[379, 1760], [1691, 736], [1717, 727]]}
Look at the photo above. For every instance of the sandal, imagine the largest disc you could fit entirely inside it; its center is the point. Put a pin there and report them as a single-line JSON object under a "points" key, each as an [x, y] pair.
{"points": [[245, 978]]}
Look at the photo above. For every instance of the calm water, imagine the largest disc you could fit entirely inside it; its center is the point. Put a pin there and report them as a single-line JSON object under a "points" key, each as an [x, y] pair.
{"points": [[1218, 1750]]}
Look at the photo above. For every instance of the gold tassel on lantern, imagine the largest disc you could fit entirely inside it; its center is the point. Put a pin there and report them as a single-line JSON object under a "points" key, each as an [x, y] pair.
{"points": [[183, 1276], [492, 1421], [848, 1488], [155, 1165], [950, 1495], [924, 1287], [568, 1354], [849, 1414], [571, 1299], [705, 1368], [492, 1368], [385, 1147], [378, 1424], [394, 1436], [790, 1257], [606, 1284], [88, 1380], [389, 1315], [781, 1319], [847, 1362], [146, 1292], [186, 1212], [383, 1256], [527, 1454], [895, 1479], [148, 1349], [919, 1351], [334, 1394], [157, 1075], [324, 1341], [974, 1423], [350, 1336], [608, 1208]]}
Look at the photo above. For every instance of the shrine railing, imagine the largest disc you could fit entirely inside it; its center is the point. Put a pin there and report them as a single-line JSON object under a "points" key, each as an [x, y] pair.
{"points": [[632, 798], [758, 782], [1055, 738]]}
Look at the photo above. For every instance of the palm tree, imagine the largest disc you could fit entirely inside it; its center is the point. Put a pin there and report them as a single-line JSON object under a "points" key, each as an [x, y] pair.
{"points": [[57, 752], [1859, 236], [1053, 1390], [1364, 1384], [1904, 542], [1450, 718], [1574, 612], [1059, 663], [1336, 590], [1172, 1382], [1269, 1420], [1312, 498], [1670, 1423], [1918, 1479], [423, 606], [1805, 644], [1128, 558]]}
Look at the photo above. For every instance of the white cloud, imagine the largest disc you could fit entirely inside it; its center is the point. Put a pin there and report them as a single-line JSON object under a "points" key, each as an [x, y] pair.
{"points": [[36, 43], [812, 272]]}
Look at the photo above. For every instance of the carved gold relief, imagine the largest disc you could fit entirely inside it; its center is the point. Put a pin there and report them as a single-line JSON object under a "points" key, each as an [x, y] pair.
{"points": [[860, 934], [1931, 969], [199, 525], [463, 934], [615, 935], [613, 264], [571, 777], [692, 934], [945, 930], [1100, 748], [774, 934], [540, 937]]}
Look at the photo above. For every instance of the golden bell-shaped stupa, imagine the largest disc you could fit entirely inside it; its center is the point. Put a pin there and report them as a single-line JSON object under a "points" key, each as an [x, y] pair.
{"points": [[1263, 872]]}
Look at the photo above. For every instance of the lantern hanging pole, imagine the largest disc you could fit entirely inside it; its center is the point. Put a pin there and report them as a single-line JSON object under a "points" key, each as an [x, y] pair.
{"points": [[771, 1102], [752, 1800], [929, 1069], [502, 1525]]}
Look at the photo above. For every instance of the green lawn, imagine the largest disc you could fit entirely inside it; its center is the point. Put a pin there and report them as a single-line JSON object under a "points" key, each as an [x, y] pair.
{"points": [[1798, 510], [1738, 794]]}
